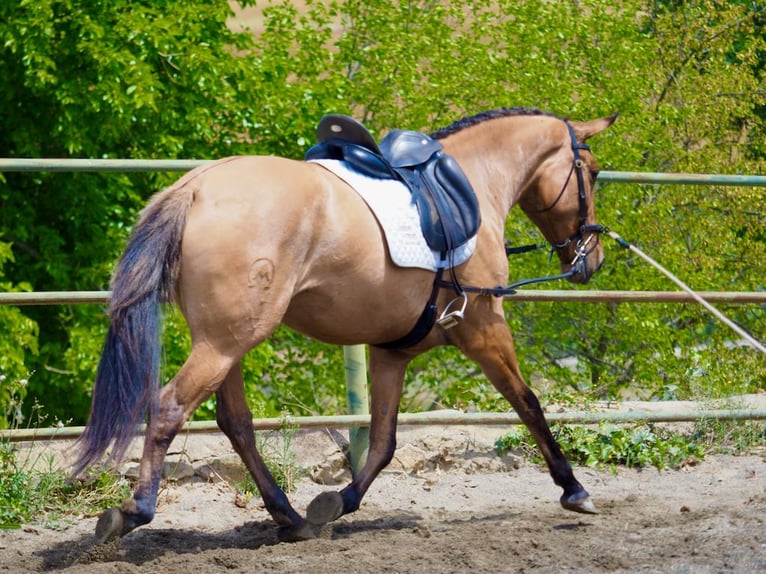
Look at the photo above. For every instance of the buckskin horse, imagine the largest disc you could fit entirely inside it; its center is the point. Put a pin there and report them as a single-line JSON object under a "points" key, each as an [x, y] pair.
{"points": [[246, 243]]}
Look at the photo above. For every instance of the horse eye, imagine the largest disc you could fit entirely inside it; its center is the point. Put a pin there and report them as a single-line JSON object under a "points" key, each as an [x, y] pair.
{"points": [[594, 174]]}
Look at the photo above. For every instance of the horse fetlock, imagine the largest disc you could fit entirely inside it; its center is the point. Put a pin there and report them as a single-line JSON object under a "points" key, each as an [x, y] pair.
{"points": [[140, 509], [117, 522], [352, 499]]}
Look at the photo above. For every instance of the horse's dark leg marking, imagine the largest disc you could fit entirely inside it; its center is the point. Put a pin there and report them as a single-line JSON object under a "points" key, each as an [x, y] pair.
{"points": [[236, 421], [203, 372], [387, 375], [493, 349], [140, 509]]}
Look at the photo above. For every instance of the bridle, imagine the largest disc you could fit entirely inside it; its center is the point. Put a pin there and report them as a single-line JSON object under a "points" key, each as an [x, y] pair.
{"points": [[581, 250]]}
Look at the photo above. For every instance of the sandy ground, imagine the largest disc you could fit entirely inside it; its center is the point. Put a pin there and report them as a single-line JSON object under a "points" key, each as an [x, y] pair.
{"points": [[446, 504]]}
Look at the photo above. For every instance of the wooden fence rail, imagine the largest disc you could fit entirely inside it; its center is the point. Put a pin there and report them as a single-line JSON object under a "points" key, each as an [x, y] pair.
{"points": [[133, 165], [595, 296], [102, 297], [437, 418]]}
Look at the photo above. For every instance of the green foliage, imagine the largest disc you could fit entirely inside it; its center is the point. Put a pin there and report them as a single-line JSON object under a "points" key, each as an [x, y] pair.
{"points": [[611, 445], [34, 489], [173, 80], [671, 120], [44, 494], [445, 378], [280, 459], [303, 376], [20, 338], [290, 373]]}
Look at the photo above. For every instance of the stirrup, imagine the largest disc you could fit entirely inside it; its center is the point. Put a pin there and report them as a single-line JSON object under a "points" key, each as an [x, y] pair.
{"points": [[452, 318]]}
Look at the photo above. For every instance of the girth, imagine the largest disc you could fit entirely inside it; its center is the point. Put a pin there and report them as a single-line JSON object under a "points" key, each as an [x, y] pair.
{"points": [[424, 324]]}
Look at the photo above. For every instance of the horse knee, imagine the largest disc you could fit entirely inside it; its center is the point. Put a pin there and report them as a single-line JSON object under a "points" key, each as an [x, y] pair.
{"points": [[352, 499]]}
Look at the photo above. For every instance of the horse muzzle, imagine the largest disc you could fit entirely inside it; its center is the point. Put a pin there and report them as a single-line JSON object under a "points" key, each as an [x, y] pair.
{"points": [[585, 262]]}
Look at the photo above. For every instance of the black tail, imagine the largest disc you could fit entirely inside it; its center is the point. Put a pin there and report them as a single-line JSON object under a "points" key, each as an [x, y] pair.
{"points": [[128, 373]]}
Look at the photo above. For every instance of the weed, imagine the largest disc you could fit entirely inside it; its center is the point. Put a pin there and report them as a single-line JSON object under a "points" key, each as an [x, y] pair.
{"points": [[280, 459], [730, 436], [32, 488], [611, 445], [47, 496]]}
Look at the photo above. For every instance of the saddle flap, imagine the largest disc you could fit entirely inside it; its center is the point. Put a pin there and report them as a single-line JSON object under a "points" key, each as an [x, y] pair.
{"points": [[406, 148], [449, 210], [465, 206], [347, 129]]}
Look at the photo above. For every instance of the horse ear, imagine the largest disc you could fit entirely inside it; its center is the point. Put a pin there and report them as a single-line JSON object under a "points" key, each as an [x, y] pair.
{"points": [[585, 130]]}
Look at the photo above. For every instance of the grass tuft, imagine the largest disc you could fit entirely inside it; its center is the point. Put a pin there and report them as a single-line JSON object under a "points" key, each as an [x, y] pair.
{"points": [[34, 489], [610, 445], [280, 459]]}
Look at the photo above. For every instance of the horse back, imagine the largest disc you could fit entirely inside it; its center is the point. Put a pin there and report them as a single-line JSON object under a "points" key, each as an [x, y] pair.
{"points": [[273, 204]]}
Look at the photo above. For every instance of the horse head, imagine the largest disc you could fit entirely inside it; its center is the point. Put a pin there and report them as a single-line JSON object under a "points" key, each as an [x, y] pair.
{"points": [[559, 198]]}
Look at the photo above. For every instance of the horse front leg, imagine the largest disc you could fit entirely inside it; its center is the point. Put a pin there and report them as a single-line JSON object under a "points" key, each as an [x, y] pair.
{"points": [[492, 347], [386, 379], [195, 381], [236, 421]]}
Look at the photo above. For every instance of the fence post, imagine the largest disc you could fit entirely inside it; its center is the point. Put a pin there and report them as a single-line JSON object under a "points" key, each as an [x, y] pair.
{"points": [[355, 360]]}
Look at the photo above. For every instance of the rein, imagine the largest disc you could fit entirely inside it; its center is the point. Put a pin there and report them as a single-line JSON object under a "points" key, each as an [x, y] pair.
{"points": [[752, 341], [511, 289]]}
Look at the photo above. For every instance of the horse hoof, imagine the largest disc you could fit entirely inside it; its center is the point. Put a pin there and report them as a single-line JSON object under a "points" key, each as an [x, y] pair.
{"points": [[326, 507], [579, 502], [300, 533], [110, 525]]}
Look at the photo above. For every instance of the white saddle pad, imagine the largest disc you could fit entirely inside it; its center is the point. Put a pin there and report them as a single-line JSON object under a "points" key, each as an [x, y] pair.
{"points": [[397, 214]]}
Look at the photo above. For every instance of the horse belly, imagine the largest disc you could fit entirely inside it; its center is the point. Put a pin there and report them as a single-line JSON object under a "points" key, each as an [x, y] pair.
{"points": [[361, 308], [350, 291]]}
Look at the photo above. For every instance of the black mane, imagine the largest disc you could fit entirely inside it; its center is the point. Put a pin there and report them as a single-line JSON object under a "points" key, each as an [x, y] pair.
{"points": [[488, 115]]}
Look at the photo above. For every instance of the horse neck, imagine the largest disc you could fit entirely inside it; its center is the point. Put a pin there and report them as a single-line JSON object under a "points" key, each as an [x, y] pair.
{"points": [[501, 156]]}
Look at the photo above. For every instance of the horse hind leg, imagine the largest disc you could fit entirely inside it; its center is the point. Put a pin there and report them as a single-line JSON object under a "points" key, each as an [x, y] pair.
{"points": [[387, 370], [236, 421], [202, 373]]}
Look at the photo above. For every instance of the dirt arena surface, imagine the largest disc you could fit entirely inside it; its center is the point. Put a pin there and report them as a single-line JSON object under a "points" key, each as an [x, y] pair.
{"points": [[446, 504]]}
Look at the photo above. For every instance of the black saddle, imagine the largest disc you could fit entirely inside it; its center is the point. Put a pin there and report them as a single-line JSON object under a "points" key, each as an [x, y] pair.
{"points": [[446, 202]]}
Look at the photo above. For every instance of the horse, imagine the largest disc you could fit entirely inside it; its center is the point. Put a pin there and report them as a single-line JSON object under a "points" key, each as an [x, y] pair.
{"points": [[246, 243]]}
